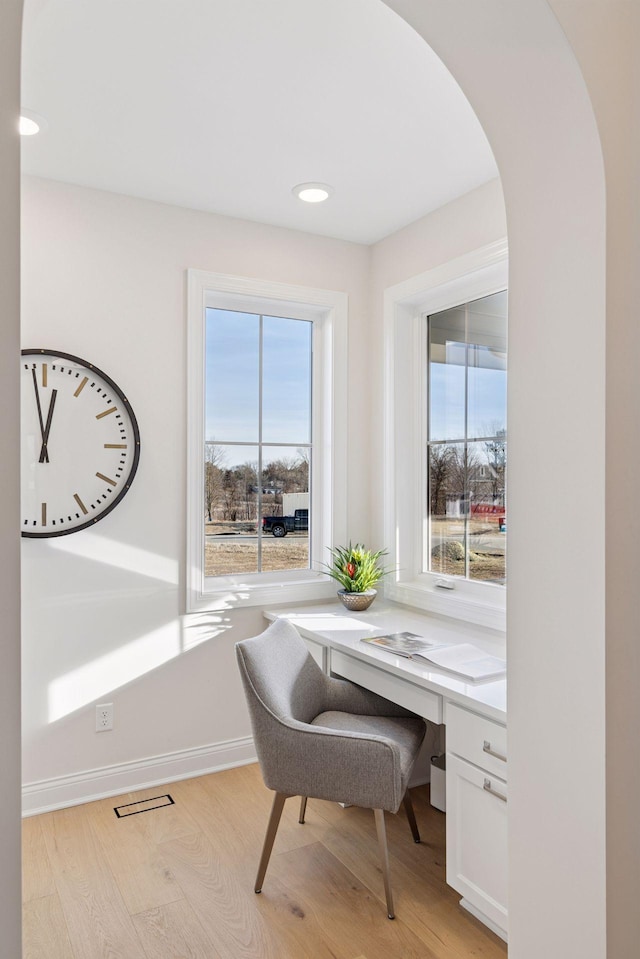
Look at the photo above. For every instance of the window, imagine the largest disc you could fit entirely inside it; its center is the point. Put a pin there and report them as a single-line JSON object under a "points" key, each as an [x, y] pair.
{"points": [[445, 438], [467, 440], [258, 442], [266, 371]]}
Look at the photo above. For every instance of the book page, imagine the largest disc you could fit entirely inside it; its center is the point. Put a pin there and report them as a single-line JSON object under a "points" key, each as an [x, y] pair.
{"points": [[465, 660]]}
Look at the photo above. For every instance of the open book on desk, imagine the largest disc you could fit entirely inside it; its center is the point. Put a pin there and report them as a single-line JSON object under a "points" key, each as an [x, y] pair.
{"points": [[460, 659]]}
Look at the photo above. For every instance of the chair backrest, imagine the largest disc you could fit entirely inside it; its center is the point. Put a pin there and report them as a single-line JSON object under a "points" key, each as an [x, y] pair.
{"points": [[283, 686], [278, 669]]}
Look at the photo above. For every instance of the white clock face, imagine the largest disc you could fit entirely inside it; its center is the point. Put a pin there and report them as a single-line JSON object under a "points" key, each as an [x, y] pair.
{"points": [[80, 444]]}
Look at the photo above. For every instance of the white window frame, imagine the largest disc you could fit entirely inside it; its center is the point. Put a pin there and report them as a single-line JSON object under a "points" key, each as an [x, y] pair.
{"points": [[470, 277], [328, 311]]}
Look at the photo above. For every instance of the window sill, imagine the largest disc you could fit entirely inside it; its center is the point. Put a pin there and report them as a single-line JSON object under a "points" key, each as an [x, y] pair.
{"points": [[449, 603], [313, 587]]}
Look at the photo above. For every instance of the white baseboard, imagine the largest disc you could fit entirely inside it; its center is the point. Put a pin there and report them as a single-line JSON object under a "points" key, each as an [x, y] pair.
{"points": [[494, 927], [93, 784]]}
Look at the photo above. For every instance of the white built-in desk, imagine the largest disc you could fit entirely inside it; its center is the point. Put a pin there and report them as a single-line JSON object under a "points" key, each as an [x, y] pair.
{"points": [[475, 716]]}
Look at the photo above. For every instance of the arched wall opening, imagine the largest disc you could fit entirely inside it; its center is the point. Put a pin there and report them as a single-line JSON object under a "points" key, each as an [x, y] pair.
{"points": [[520, 75]]}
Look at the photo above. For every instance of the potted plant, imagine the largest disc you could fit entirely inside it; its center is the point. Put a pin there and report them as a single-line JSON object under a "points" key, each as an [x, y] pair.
{"points": [[358, 570]]}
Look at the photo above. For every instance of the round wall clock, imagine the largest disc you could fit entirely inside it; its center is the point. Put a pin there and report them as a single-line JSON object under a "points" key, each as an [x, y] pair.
{"points": [[80, 444]]}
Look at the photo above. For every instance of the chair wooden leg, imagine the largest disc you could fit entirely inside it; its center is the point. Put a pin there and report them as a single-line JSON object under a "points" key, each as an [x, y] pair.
{"points": [[384, 859], [411, 816], [303, 809], [274, 820]]}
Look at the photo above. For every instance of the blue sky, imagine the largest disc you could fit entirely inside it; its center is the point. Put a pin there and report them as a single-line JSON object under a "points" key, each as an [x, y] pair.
{"points": [[487, 403], [232, 377]]}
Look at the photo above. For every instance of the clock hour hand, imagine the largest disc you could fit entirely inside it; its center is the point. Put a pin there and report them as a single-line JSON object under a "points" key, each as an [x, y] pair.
{"points": [[44, 452], [35, 386]]}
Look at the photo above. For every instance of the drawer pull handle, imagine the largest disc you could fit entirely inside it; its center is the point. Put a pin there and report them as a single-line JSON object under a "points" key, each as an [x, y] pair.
{"points": [[489, 789], [490, 752]]}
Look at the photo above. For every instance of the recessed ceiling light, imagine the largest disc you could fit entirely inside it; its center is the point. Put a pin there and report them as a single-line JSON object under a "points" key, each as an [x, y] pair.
{"points": [[31, 123], [312, 192]]}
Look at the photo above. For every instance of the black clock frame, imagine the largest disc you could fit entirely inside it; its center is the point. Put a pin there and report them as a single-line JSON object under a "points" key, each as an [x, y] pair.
{"points": [[112, 503]]}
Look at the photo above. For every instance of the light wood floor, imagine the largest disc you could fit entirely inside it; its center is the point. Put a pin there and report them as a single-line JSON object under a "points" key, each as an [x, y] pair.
{"points": [[177, 882]]}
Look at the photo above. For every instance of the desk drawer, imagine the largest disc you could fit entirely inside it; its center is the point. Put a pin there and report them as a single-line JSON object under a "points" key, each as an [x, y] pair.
{"points": [[479, 740], [392, 687]]}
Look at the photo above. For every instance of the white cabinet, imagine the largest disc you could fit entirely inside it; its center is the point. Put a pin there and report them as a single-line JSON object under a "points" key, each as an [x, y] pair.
{"points": [[477, 814]]}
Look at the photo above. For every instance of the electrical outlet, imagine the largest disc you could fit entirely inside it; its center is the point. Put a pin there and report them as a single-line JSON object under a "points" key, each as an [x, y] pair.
{"points": [[104, 717]]}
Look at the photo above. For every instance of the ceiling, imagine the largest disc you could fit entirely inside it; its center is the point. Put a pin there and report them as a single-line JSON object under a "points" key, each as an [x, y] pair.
{"points": [[225, 105]]}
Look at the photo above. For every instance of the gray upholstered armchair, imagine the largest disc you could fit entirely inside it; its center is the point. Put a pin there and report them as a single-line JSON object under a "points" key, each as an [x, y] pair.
{"points": [[323, 737]]}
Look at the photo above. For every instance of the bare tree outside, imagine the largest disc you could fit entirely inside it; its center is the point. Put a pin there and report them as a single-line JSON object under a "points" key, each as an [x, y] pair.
{"points": [[439, 470], [496, 452], [213, 463]]}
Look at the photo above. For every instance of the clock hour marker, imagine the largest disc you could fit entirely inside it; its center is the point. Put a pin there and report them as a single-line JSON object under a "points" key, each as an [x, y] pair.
{"points": [[44, 374], [111, 482], [111, 409], [80, 503], [81, 386], [115, 446], [44, 512]]}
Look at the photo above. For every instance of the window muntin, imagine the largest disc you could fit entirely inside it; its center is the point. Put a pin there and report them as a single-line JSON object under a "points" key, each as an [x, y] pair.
{"points": [[258, 442], [466, 441]]}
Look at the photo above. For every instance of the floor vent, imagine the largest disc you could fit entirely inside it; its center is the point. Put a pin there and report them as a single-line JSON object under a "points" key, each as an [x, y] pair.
{"points": [[145, 805]]}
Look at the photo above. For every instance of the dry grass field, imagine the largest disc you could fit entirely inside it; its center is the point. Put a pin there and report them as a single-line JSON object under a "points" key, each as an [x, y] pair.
{"points": [[486, 553], [232, 548], [227, 551]]}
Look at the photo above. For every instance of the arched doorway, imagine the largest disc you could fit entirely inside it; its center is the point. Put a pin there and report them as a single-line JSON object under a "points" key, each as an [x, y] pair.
{"points": [[521, 77]]}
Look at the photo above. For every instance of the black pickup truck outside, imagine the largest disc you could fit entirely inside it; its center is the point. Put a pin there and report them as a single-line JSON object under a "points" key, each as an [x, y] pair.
{"points": [[281, 525]]}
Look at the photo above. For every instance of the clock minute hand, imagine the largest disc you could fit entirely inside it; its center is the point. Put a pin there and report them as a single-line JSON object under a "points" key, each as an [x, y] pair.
{"points": [[44, 452], [35, 386]]}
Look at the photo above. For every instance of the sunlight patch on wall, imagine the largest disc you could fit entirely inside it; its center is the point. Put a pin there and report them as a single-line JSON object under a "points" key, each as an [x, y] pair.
{"points": [[198, 628], [107, 673], [111, 552]]}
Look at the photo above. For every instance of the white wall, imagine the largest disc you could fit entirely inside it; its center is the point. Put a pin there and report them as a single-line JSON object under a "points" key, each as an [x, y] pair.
{"points": [[460, 227], [104, 278], [10, 906]]}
